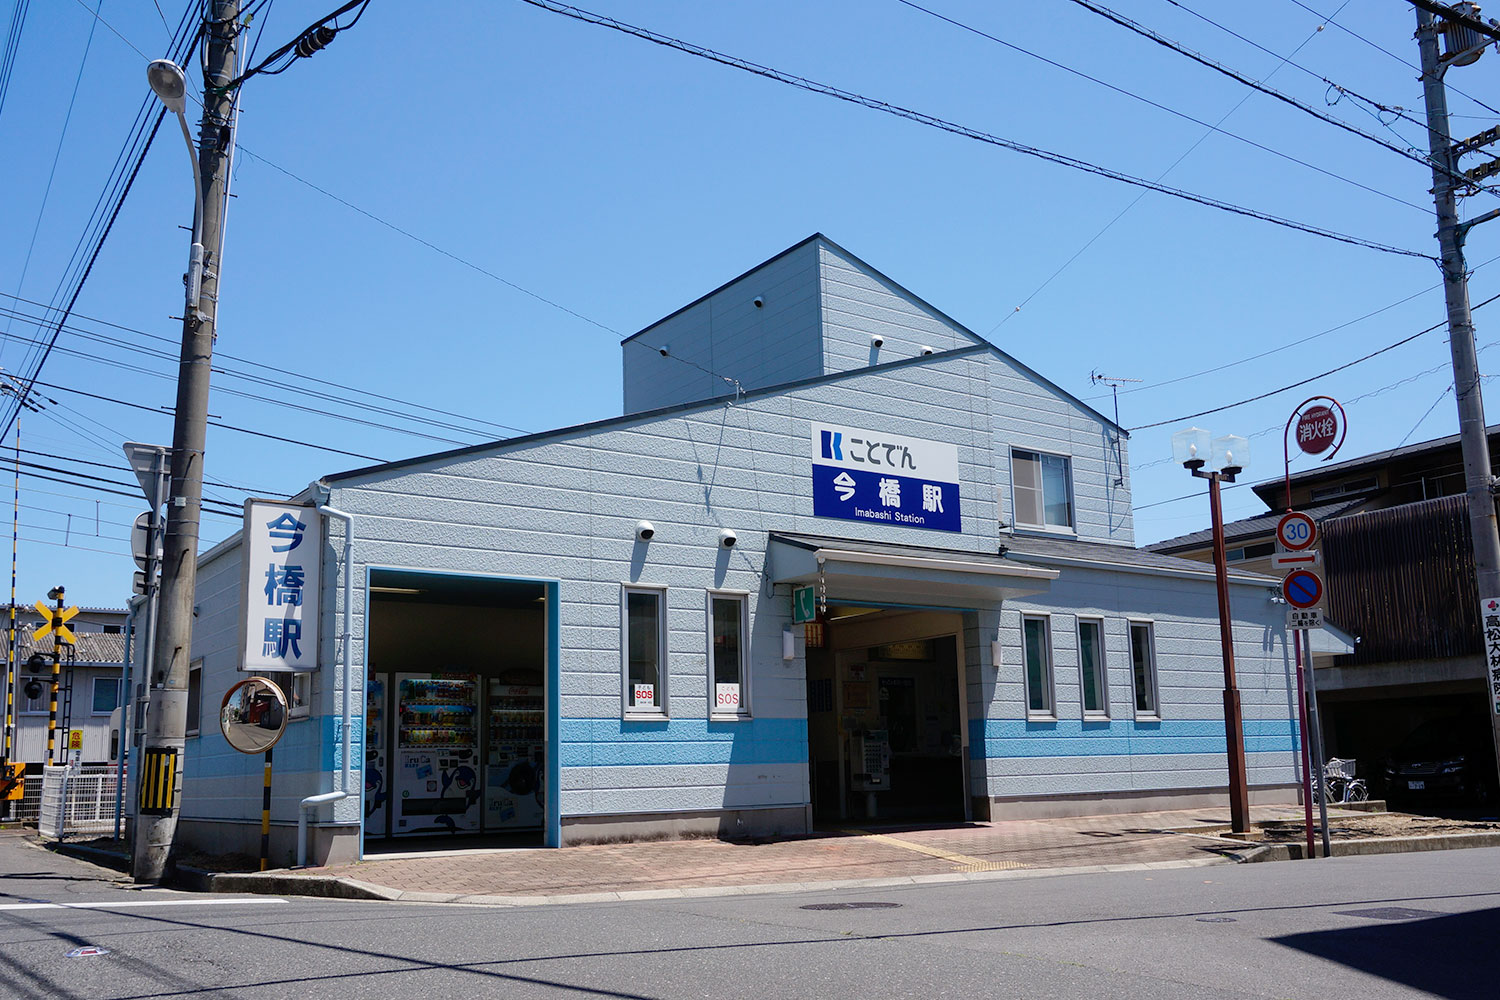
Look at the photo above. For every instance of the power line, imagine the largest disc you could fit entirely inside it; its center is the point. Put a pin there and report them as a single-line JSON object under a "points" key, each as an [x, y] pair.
{"points": [[1288, 346], [1212, 127], [1314, 378], [12, 47], [802, 83], [1380, 48], [213, 423], [411, 404], [1203, 60], [1140, 196]]}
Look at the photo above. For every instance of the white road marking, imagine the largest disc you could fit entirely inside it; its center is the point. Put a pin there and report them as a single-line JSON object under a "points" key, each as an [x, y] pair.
{"points": [[136, 904]]}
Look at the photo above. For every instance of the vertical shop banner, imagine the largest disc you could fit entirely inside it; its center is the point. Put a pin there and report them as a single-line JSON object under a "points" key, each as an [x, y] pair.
{"points": [[862, 475], [282, 550]]}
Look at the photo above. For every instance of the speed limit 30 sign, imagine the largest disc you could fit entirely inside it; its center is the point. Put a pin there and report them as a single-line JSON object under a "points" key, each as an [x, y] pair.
{"points": [[1296, 531]]}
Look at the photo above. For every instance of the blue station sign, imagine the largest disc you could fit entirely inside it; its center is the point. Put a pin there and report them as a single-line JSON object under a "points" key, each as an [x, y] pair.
{"points": [[863, 475]]}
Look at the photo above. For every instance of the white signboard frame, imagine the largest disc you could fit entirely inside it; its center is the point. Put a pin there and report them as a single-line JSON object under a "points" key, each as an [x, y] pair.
{"points": [[282, 559]]}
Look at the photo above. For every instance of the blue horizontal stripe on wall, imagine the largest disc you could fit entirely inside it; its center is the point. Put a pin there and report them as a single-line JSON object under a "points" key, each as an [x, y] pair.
{"points": [[996, 738], [624, 743]]}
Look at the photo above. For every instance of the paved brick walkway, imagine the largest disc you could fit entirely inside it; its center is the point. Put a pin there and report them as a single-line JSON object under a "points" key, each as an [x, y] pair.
{"points": [[885, 852]]}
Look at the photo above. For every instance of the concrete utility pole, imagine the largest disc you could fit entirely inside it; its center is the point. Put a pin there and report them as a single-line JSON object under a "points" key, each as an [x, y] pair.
{"points": [[161, 757], [1478, 479]]}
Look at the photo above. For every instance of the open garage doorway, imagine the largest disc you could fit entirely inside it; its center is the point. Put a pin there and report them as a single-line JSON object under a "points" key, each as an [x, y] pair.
{"points": [[457, 710], [887, 707]]}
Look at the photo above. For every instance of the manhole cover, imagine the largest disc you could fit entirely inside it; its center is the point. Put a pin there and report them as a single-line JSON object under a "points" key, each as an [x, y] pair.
{"points": [[1216, 920], [850, 906], [1390, 913]]}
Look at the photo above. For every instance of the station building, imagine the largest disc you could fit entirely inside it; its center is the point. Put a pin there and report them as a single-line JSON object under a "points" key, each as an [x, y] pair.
{"points": [[588, 634]]}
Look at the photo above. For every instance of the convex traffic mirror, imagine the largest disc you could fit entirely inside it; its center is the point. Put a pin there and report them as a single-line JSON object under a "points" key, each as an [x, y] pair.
{"points": [[253, 715]]}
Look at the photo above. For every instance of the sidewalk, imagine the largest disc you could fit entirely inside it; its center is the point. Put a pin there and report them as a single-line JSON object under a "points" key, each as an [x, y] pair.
{"points": [[851, 857]]}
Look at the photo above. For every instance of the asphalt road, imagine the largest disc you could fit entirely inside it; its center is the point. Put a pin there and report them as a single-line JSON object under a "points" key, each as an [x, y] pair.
{"points": [[1380, 927]]}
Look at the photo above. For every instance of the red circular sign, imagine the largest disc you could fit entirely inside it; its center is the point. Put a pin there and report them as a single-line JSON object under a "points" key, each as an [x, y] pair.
{"points": [[1296, 531], [1316, 430]]}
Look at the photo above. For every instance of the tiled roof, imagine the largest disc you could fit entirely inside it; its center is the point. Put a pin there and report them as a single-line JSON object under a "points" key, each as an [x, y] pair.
{"points": [[1251, 527], [1033, 547], [92, 647]]}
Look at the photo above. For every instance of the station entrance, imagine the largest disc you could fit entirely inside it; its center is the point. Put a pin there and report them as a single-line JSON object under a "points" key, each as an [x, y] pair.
{"points": [[455, 714], [886, 698]]}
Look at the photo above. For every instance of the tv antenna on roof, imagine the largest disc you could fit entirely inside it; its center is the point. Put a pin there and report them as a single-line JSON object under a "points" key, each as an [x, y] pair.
{"points": [[1114, 382]]}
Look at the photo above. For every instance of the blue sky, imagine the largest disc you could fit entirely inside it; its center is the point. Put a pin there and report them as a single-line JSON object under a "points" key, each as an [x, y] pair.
{"points": [[596, 175]]}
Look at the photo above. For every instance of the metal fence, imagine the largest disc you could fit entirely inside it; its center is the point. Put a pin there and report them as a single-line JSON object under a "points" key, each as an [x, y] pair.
{"points": [[77, 801]]}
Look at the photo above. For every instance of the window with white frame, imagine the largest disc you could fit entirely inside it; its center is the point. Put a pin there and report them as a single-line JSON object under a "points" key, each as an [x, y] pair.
{"points": [[1042, 488], [1143, 669], [1037, 643], [195, 698], [105, 696], [1093, 688], [727, 629], [644, 623]]}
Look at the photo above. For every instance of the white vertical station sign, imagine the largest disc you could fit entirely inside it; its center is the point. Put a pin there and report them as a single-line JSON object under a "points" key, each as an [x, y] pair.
{"points": [[282, 551]]}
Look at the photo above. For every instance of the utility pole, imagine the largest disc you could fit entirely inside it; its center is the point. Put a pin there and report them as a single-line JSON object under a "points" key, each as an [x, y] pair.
{"points": [[161, 756], [1467, 38]]}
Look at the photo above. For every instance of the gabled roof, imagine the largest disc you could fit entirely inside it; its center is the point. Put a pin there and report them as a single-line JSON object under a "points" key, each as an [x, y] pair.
{"points": [[1371, 460], [661, 411], [1260, 525], [908, 294]]}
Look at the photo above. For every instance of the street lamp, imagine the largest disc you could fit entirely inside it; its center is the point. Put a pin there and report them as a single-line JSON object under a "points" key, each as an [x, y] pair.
{"points": [[1225, 457], [164, 740], [170, 85]]}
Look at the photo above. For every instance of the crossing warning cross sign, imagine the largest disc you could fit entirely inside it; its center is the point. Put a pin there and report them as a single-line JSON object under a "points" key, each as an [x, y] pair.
{"points": [[56, 620]]}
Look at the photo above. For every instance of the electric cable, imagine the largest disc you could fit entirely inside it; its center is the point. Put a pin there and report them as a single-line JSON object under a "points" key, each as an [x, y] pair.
{"points": [[1211, 126], [12, 47], [224, 355], [1380, 48], [1313, 378], [1300, 105], [803, 83], [1139, 197]]}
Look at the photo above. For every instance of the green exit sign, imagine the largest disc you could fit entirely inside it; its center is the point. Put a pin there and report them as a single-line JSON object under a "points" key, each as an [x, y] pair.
{"points": [[804, 604]]}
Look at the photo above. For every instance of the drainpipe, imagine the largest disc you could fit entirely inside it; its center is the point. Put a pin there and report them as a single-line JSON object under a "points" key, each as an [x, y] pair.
{"points": [[127, 703], [313, 801]]}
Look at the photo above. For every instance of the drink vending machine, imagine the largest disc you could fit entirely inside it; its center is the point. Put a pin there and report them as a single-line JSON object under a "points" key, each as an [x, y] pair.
{"points": [[437, 754], [515, 762], [377, 758]]}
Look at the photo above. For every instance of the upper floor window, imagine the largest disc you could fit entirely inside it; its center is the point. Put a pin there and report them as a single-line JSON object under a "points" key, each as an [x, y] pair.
{"points": [[1043, 489]]}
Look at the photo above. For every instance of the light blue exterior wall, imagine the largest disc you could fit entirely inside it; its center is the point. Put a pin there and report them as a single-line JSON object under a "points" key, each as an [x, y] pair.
{"points": [[563, 507], [1182, 747]]}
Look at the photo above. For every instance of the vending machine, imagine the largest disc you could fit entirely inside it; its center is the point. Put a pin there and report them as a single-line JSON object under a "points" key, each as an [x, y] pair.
{"points": [[377, 758], [515, 760], [437, 754]]}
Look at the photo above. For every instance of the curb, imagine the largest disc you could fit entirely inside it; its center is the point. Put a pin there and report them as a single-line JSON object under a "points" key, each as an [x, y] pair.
{"points": [[340, 887], [1382, 845]]}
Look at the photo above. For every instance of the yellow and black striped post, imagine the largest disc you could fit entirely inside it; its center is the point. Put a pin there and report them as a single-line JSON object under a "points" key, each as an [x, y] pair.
{"points": [[158, 781], [52, 709], [265, 815]]}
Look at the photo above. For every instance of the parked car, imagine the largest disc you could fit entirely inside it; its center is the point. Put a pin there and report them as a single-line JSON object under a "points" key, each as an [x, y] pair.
{"points": [[1449, 759]]}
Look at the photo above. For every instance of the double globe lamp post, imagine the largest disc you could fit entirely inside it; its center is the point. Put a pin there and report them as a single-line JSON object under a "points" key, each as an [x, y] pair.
{"points": [[1220, 460]]}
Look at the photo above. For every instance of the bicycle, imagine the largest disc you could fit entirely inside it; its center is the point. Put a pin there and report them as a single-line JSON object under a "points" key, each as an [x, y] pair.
{"points": [[1342, 785]]}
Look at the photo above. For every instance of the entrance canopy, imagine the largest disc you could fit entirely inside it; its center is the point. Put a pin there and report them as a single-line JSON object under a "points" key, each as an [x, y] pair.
{"points": [[881, 573]]}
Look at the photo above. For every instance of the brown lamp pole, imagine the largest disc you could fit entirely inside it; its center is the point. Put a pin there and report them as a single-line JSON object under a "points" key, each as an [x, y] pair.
{"points": [[1230, 455]]}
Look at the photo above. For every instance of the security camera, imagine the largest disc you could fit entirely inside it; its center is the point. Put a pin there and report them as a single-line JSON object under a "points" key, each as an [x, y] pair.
{"points": [[877, 341], [727, 538], [663, 349], [644, 531], [926, 350], [760, 303]]}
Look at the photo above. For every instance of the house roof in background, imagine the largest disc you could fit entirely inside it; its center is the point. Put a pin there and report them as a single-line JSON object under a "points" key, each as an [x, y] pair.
{"points": [[1251, 527], [106, 648], [1366, 461]]}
